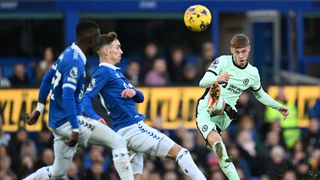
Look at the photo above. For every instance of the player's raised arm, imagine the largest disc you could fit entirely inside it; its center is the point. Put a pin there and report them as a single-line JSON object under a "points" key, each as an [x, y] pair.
{"points": [[99, 79], [265, 98], [42, 96]]}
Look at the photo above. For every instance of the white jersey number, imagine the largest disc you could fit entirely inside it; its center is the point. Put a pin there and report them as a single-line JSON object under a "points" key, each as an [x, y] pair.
{"points": [[55, 82]]}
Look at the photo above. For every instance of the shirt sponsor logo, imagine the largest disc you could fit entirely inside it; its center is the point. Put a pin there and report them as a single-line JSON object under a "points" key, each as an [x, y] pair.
{"points": [[234, 89]]}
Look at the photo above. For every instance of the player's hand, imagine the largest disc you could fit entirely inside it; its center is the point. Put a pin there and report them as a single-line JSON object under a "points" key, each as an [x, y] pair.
{"points": [[102, 121], [128, 93], [284, 111], [223, 77], [73, 140], [33, 118]]}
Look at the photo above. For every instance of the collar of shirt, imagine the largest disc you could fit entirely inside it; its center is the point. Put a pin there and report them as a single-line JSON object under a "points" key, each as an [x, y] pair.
{"points": [[109, 66], [78, 50]]}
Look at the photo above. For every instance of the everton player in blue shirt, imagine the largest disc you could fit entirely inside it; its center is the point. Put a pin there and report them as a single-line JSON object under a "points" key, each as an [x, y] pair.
{"points": [[65, 80], [118, 97]]}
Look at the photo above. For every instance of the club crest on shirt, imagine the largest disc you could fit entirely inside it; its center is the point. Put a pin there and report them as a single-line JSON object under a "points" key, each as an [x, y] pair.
{"points": [[246, 82], [74, 72]]}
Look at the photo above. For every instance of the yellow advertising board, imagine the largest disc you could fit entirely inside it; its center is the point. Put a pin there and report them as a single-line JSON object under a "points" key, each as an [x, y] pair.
{"points": [[14, 103], [165, 107], [170, 107]]}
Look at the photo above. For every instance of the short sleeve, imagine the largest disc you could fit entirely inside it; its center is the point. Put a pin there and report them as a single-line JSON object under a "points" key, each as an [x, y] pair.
{"points": [[216, 66], [71, 76]]}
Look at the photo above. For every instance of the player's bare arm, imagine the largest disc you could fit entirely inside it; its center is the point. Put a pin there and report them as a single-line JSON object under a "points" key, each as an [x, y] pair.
{"points": [[42, 98], [35, 114], [267, 100]]}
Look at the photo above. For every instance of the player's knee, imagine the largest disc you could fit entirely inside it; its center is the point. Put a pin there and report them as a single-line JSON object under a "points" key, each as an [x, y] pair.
{"points": [[213, 137], [174, 151], [167, 148]]}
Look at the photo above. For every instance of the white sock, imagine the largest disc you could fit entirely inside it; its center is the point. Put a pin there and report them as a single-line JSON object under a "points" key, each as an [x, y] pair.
{"points": [[122, 163], [225, 163], [187, 165], [41, 174]]}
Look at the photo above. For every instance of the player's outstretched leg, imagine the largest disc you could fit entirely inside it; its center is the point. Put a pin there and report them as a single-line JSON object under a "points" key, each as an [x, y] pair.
{"points": [[63, 155], [42, 173], [225, 162], [145, 139], [122, 163], [104, 136], [187, 164], [184, 159]]}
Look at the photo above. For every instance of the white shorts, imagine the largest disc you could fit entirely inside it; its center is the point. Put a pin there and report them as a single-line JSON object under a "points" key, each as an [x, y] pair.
{"points": [[86, 127], [144, 139], [90, 132]]}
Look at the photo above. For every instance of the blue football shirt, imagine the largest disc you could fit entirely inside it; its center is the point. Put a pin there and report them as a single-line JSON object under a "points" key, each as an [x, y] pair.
{"points": [[107, 83]]}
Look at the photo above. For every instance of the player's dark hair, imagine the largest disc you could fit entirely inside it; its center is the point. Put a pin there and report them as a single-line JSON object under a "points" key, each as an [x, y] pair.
{"points": [[239, 41], [106, 39], [85, 27]]}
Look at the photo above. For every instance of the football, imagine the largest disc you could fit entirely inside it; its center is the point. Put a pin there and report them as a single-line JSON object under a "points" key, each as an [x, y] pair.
{"points": [[197, 18]]}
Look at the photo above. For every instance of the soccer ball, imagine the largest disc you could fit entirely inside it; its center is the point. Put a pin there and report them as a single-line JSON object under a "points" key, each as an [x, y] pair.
{"points": [[197, 18]]}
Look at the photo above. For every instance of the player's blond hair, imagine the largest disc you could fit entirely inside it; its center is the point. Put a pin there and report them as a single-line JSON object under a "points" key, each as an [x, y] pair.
{"points": [[239, 41]]}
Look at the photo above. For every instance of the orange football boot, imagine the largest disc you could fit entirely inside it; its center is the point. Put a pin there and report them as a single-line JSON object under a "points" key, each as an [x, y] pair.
{"points": [[214, 95]]}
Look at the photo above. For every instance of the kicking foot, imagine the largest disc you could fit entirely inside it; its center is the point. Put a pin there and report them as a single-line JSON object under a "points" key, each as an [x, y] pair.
{"points": [[214, 95]]}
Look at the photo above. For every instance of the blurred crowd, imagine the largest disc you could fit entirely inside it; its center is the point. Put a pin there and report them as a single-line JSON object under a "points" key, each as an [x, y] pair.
{"points": [[261, 144], [154, 67]]}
